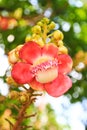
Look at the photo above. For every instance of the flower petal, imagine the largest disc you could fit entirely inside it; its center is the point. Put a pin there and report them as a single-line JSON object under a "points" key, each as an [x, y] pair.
{"points": [[59, 86], [36, 85], [30, 51], [21, 73], [50, 50], [65, 63]]}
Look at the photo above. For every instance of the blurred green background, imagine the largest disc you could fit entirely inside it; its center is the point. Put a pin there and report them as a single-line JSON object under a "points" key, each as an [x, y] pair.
{"points": [[16, 19]]}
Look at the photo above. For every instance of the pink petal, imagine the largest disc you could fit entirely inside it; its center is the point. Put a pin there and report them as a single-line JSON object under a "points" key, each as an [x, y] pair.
{"points": [[36, 85], [50, 50], [65, 63], [30, 51], [21, 73], [59, 86]]}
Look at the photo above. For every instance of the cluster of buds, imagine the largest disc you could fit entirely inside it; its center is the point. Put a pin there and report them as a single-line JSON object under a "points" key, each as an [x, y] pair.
{"points": [[41, 33], [22, 96]]}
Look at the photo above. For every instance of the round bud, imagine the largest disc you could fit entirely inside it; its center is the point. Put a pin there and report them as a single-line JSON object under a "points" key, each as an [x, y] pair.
{"points": [[40, 24], [63, 50], [46, 20], [36, 29], [51, 25], [58, 35], [13, 94], [12, 58], [60, 43], [28, 38], [10, 81]]}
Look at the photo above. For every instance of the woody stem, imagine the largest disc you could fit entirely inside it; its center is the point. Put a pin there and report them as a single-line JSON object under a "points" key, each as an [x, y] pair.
{"points": [[21, 115]]}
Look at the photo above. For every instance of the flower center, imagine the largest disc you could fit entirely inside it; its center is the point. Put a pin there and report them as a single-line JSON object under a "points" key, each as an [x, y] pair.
{"points": [[46, 71]]}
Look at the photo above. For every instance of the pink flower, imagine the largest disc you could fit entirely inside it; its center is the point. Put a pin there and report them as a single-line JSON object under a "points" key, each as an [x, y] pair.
{"points": [[43, 68]]}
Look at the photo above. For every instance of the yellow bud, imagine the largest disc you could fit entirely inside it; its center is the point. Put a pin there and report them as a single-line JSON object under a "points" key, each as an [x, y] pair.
{"points": [[23, 96], [60, 43], [63, 50], [10, 81], [37, 39], [58, 35], [12, 57], [45, 20], [28, 38], [13, 94], [17, 49], [51, 25], [40, 42], [36, 29], [40, 24]]}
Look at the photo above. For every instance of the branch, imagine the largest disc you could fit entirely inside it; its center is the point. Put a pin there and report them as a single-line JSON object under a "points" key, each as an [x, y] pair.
{"points": [[9, 121], [30, 116], [22, 111]]}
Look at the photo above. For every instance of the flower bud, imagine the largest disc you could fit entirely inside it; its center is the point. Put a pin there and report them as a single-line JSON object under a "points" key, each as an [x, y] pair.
{"points": [[10, 81], [23, 96], [45, 20], [17, 49], [51, 25], [40, 24], [28, 38], [13, 55], [58, 35], [60, 43], [36, 29], [63, 50], [12, 58], [13, 94]]}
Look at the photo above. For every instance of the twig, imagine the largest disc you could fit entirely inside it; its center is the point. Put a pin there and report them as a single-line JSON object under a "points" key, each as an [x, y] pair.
{"points": [[24, 127], [24, 88], [9, 122], [36, 94], [16, 107], [30, 116]]}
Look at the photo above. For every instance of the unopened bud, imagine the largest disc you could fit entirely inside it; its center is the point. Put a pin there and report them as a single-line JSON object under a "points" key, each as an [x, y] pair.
{"points": [[28, 38], [58, 35], [23, 96], [36, 29], [17, 49], [45, 20], [60, 43], [51, 25], [63, 50], [13, 94], [40, 24], [12, 58], [13, 55], [10, 81]]}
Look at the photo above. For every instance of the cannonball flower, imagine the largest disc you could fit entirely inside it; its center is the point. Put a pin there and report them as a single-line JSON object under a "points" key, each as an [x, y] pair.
{"points": [[43, 68]]}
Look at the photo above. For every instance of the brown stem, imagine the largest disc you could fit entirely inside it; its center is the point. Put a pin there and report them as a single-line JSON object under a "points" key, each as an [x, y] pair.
{"points": [[21, 115], [30, 116]]}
